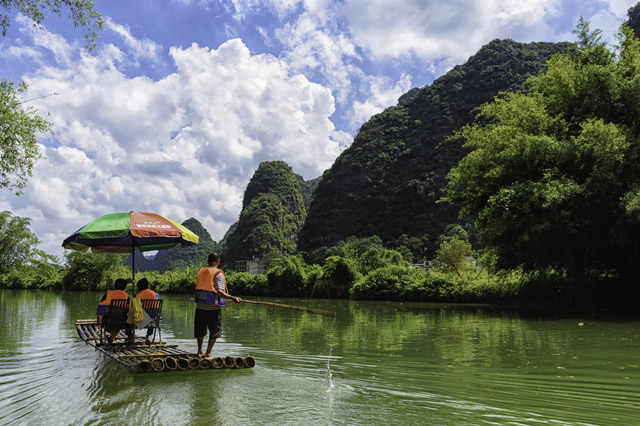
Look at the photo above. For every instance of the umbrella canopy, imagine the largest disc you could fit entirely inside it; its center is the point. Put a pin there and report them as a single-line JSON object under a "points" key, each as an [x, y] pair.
{"points": [[125, 232]]}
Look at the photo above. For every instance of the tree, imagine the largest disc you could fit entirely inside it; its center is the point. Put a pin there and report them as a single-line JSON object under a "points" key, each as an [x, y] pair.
{"points": [[453, 255], [287, 276], [81, 12], [18, 143], [20, 125], [17, 242], [451, 231], [86, 271], [338, 275], [552, 176], [376, 258]]}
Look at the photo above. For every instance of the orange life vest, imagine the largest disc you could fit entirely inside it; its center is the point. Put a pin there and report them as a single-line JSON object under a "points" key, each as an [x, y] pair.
{"points": [[147, 293], [205, 290], [111, 295]]}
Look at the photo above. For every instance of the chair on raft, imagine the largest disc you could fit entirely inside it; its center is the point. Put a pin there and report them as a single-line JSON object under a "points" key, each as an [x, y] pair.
{"points": [[115, 319], [153, 308]]}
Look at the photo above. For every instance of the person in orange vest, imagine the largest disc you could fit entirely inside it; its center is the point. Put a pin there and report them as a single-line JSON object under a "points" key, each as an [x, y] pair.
{"points": [[144, 292], [211, 289], [103, 306]]}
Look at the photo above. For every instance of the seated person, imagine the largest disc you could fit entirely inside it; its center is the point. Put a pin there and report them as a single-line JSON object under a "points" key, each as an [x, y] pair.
{"points": [[103, 307], [144, 292]]}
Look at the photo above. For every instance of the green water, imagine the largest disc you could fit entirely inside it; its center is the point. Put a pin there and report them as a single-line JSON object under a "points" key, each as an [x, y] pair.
{"points": [[377, 364]]}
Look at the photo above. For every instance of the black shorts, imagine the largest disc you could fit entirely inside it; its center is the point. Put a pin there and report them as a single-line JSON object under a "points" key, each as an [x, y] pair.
{"points": [[207, 319]]}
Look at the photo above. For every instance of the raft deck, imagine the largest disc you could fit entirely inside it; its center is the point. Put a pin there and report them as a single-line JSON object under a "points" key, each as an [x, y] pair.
{"points": [[156, 356]]}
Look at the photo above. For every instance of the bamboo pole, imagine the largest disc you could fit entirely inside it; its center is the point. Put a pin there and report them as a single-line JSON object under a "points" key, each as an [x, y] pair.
{"points": [[157, 364], [298, 308], [249, 362], [183, 364], [238, 362], [216, 362], [171, 363], [81, 333], [228, 361]]}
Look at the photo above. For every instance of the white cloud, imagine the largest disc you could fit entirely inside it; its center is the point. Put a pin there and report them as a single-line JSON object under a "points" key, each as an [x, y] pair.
{"points": [[619, 8], [56, 44], [183, 146], [21, 52], [239, 9], [381, 94], [141, 49], [609, 18], [434, 29], [312, 47]]}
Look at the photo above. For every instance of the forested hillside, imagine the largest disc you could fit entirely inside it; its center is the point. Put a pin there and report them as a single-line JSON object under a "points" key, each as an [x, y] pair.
{"points": [[388, 181], [272, 214], [307, 187]]}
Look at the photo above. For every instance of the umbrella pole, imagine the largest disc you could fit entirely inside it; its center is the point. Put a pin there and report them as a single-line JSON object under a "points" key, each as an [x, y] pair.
{"points": [[133, 267]]}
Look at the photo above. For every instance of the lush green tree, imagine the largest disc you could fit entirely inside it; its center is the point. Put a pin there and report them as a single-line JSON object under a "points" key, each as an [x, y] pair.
{"points": [[19, 127], [393, 282], [287, 276], [354, 247], [453, 255], [451, 231], [375, 258], [36, 275], [552, 174], [17, 242], [81, 13], [22, 265], [246, 284], [412, 248], [87, 271], [338, 275]]}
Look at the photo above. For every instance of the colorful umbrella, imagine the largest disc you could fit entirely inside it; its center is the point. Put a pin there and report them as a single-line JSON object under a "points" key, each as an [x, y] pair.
{"points": [[125, 232]]}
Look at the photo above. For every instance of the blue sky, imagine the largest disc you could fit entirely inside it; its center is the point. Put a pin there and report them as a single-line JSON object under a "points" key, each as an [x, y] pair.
{"points": [[182, 99]]}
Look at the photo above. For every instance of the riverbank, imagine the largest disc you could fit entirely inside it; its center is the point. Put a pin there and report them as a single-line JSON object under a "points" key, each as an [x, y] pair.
{"points": [[388, 283]]}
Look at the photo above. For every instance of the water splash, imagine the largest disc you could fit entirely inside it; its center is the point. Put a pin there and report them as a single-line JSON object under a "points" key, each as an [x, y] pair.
{"points": [[328, 377]]}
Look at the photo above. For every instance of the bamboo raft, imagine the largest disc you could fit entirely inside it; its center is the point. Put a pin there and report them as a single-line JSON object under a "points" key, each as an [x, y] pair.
{"points": [[156, 356]]}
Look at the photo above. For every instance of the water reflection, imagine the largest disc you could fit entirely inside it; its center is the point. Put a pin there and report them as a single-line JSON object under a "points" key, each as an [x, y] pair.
{"points": [[375, 363]]}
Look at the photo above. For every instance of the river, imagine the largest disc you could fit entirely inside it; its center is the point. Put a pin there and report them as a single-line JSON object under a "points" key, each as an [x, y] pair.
{"points": [[376, 364]]}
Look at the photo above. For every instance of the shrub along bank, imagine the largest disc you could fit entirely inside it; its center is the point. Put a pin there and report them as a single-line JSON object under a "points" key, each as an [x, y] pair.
{"points": [[375, 274]]}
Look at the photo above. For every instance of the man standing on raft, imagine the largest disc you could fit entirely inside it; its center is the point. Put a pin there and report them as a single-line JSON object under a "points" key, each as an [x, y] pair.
{"points": [[211, 288]]}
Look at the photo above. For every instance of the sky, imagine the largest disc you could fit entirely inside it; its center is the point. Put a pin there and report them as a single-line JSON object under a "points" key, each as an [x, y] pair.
{"points": [[182, 99]]}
